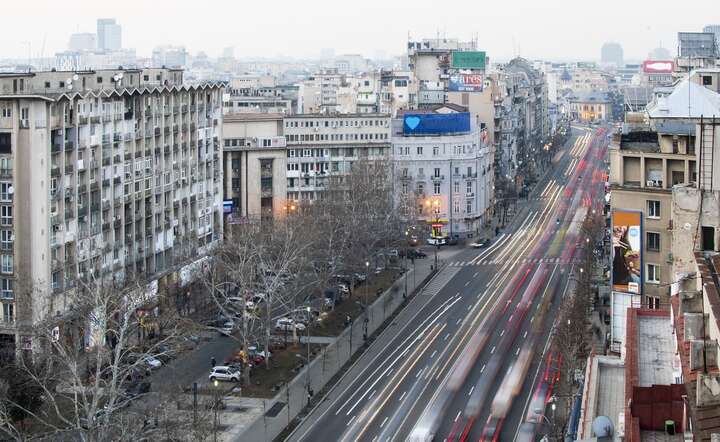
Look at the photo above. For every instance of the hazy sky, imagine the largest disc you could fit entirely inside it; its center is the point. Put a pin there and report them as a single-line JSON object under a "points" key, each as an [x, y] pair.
{"points": [[550, 29]]}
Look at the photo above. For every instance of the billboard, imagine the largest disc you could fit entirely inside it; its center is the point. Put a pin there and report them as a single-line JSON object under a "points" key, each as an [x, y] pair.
{"points": [[658, 67], [435, 124], [465, 83], [468, 60], [626, 271]]}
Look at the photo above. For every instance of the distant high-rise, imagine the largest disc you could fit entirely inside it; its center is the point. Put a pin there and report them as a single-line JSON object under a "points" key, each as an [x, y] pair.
{"points": [[85, 41], [714, 29], [612, 53], [660, 53], [109, 34], [228, 52]]}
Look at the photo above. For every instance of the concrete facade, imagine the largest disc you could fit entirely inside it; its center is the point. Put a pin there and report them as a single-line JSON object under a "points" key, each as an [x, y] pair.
{"points": [[320, 146], [254, 162], [110, 176]]}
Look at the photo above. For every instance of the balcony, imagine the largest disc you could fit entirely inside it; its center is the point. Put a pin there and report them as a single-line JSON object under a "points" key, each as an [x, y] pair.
{"points": [[69, 169], [55, 171], [69, 145], [437, 177]]}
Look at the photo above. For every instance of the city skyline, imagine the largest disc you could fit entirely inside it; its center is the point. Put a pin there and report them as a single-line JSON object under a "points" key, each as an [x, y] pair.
{"points": [[303, 30]]}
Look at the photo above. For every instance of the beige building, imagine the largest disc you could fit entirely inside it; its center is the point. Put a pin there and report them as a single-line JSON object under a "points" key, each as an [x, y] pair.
{"points": [[254, 161], [104, 174], [650, 163]]}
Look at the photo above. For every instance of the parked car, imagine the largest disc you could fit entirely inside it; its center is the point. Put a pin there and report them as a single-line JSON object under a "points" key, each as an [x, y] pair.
{"points": [[146, 360], [360, 277], [224, 373], [136, 389], [227, 328], [420, 254], [287, 324], [480, 244]]}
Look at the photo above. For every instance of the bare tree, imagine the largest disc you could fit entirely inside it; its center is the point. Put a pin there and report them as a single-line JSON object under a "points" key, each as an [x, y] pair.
{"points": [[83, 380]]}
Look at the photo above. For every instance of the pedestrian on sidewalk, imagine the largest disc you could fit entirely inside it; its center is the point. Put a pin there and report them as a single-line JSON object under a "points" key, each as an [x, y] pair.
{"points": [[212, 362]]}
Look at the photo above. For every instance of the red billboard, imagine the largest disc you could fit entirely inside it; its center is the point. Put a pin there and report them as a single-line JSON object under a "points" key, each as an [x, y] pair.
{"points": [[658, 66]]}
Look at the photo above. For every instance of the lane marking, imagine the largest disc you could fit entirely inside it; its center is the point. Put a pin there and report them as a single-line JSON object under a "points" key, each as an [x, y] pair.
{"points": [[351, 420], [482, 369], [458, 416], [402, 396], [382, 424], [471, 390], [433, 354], [492, 350]]}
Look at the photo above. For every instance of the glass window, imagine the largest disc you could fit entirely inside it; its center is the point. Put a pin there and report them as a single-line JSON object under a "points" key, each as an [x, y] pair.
{"points": [[652, 274], [653, 241], [6, 264], [436, 188], [653, 209]]}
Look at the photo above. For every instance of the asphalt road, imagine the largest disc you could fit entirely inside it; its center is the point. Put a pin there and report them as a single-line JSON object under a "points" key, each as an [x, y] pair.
{"points": [[437, 374]]}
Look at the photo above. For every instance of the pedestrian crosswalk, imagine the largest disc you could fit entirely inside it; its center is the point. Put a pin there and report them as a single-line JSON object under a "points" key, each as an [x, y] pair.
{"points": [[439, 281], [485, 262]]}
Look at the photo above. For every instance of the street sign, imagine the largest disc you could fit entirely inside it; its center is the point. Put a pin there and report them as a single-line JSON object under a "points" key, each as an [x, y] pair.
{"points": [[468, 59]]}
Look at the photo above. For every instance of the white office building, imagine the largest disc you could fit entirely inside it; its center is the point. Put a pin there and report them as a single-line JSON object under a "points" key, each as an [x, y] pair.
{"points": [[442, 159]]}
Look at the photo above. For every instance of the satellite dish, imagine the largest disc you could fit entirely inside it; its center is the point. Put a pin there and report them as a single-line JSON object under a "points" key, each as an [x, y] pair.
{"points": [[69, 86], [69, 80], [120, 76], [602, 426], [75, 77], [116, 77]]}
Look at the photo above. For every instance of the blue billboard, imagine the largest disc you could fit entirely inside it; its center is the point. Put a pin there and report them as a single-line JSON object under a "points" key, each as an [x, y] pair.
{"points": [[436, 124]]}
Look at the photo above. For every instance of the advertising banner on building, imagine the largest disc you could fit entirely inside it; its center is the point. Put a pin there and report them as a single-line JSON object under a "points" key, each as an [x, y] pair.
{"points": [[626, 272], [436, 124], [658, 66], [465, 83], [468, 60]]}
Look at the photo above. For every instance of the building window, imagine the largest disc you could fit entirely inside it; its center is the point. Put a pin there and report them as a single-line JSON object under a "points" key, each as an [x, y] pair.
{"points": [[6, 288], [653, 302], [436, 188], [653, 209], [437, 172], [652, 274], [707, 80], [469, 206], [419, 150], [708, 238], [436, 151], [6, 215], [653, 241], [6, 191], [6, 264], [404, 188], [8, 313], [457, 186], [469, 188], [6, 239], [405, 172], [421, 189], [456, 206]]}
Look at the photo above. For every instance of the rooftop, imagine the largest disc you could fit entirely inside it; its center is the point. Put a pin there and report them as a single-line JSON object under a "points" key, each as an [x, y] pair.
{"points": [[589, 97], [604, 392], [655, 351], [687, 100], [251, 116]]}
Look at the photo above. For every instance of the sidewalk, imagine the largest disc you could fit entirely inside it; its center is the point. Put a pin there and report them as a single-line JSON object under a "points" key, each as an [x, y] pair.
{"points": [[272, 416]]}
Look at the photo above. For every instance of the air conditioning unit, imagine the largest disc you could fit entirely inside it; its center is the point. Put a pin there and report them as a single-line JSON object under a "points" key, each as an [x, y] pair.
{"points": [[650, 183]]}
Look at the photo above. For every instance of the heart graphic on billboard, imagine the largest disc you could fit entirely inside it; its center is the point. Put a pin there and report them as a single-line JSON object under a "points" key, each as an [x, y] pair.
{"points": [[412, 122]]}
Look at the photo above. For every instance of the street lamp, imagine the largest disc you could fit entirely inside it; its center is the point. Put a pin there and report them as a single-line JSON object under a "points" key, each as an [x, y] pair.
{"points": [[215, 409]]}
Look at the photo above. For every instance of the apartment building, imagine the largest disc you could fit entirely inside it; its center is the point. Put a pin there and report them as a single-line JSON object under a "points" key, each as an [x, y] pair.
{"points": [[107, 174], [647, 163], [254, 162], [441, 157], [320, 146]]}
